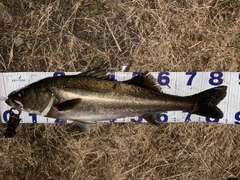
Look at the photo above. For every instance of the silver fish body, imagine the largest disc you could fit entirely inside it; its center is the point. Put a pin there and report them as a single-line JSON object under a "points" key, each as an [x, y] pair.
{"points": [[91, 97]]}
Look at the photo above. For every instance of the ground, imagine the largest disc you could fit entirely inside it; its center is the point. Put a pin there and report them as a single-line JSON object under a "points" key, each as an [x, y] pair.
{"points": [[163, 35]]}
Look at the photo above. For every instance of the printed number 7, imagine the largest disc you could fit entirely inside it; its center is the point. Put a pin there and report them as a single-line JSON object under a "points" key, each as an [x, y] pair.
{"points": [[192, 75]]}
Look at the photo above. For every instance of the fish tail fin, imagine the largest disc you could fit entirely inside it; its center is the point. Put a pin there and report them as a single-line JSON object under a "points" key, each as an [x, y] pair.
{"points": [[207, 101]]}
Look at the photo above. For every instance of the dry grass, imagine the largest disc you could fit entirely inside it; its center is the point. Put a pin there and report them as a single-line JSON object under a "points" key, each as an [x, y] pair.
{"points": [[48, 35]]}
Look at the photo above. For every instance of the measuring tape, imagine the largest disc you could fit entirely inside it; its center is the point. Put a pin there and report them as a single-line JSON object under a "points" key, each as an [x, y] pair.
{"points": [[176, 83]]}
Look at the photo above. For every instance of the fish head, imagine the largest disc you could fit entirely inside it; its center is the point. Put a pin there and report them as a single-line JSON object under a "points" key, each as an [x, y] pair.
{"points": [[30, 99]]}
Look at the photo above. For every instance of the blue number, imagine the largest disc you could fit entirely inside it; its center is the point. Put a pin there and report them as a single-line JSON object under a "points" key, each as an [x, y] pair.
{"points": [[216, 78], [192, 75], [188, 117], [162, 117], [111, 75], [112, 120], [239, 78], [237, 117], [216, 120], [59, 121], [135, 74], [59, 74], [138, 120], [34, 118], [163, 78], [5, 118]]}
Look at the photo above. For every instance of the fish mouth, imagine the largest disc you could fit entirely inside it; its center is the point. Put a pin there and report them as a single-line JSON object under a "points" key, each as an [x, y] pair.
{"points": [[14, 103]]}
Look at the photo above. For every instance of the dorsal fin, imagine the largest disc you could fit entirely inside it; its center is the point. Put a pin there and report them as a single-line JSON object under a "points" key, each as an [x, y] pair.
{"points": [[96, 73], [145, 80], [99, 72]]}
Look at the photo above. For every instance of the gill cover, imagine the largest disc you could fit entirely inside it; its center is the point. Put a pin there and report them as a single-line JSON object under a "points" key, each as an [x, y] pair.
{"points": [[30, 98]]}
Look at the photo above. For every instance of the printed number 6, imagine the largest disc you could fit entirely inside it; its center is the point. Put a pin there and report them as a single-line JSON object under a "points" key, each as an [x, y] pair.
{"points": [[163, 78]]}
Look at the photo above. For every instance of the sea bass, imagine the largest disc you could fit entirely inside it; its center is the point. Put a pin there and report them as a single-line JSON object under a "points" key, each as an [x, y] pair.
{"points": [[91, 96]]}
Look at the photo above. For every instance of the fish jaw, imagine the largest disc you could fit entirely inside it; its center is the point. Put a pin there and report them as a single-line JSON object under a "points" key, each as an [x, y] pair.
{"points": [[15, 104]]}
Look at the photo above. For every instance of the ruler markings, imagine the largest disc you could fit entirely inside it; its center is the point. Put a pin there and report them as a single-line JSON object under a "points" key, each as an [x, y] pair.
{"points": [[177, 83]]}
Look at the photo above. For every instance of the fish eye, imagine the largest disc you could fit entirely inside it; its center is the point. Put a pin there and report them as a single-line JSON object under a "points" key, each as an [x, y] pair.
{"points": [[20, 93]]}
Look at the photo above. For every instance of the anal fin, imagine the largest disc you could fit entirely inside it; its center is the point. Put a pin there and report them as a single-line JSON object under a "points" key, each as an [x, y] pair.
{"points": [[83, 127], [151, 118]]}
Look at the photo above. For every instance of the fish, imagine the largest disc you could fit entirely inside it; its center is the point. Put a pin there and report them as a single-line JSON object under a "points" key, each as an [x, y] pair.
{"points": [[92, 96]]}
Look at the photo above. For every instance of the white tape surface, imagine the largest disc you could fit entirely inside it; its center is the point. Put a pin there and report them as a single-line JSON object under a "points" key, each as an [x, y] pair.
{"points": [[176, 83]]}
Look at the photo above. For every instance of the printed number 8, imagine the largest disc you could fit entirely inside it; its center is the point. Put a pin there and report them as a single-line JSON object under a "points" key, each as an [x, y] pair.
{"points": [[216, 78]]}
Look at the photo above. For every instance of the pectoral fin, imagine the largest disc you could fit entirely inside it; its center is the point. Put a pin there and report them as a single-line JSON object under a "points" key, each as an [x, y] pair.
{"points": [[67, 105], [151, 118]]}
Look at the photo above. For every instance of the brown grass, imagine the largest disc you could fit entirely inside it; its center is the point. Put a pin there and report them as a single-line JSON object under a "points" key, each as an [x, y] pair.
{"points": [[48, 35]]}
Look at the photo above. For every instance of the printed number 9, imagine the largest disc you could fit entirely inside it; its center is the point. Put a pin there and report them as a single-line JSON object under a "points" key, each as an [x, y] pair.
{"points": [[216, 78], [237, 117], [59, 74], [163, 78]]}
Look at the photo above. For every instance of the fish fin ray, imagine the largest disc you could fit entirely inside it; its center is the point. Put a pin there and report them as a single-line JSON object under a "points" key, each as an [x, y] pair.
{"points": [[99, 72], [67, 105], [145, 80], [207, 101], [151, 118], [83, 127]]}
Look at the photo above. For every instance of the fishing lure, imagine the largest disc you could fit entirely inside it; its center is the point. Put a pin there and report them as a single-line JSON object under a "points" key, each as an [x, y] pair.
{"points": [[12, 124]]}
